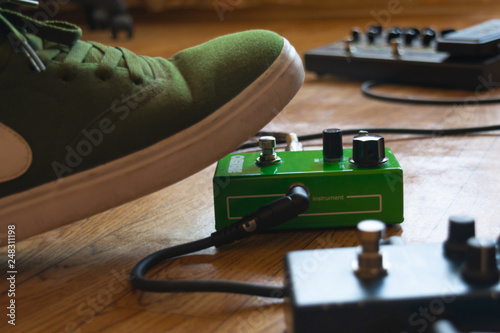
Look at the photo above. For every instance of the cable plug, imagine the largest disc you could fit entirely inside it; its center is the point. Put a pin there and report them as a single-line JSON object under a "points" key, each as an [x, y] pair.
{"points": [[268, 216], [293, 143]]}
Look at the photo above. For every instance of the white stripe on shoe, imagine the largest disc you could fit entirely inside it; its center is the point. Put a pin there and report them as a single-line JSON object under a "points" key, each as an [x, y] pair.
{"points": [[15, 154]]}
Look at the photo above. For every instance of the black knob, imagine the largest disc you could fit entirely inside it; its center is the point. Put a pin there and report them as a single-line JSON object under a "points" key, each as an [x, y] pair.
{"points": [[332, 145], [428, 36], [460, 229], [368, 150], [373, 32], [393, 33], [371, 36], [481, 262], [409, 35], [355, 35]]}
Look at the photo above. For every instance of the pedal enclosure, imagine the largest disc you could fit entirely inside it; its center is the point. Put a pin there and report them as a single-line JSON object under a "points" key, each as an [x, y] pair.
{"points": [[341, 194], [421, 287], [421, 66], [466, 59]]}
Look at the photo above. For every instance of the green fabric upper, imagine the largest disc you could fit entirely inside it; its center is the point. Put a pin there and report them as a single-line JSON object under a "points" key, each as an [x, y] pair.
{"points": [[95, 103]]}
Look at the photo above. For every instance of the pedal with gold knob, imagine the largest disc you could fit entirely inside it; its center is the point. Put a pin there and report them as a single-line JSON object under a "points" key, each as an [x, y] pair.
{"points": [[413, 288]]}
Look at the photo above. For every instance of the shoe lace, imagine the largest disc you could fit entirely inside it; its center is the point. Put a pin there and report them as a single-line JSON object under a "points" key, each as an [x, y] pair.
{"points": [[59, 41]]}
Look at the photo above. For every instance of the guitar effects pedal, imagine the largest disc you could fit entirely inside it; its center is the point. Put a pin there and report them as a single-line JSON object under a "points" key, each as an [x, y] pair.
{"points": [[396, 288], [467, 59], [345, 185]]}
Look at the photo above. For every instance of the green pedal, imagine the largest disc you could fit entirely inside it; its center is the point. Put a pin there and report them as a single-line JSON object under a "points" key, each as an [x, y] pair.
{"points": [[345, 186]]}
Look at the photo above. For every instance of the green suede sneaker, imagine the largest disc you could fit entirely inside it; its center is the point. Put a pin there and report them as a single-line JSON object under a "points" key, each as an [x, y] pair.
{"points": [[85, 127]]}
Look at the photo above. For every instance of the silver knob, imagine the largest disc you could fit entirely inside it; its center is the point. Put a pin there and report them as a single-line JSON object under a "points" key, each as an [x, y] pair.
{"points": [[370, 261], [267, 156]]}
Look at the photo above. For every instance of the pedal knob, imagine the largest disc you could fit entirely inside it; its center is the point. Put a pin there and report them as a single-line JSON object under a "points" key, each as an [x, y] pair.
{"points": [[355, 35], [370, 261], [370, 35], [332, 145], [480, 262], [267, 156], [393, 33], [409, 35], [460, 229], [428, 36], [368, 150], [373, 32]]}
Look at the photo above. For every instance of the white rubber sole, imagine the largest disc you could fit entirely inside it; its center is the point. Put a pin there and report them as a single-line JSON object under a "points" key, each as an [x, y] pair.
{"points": [[87, 193]]}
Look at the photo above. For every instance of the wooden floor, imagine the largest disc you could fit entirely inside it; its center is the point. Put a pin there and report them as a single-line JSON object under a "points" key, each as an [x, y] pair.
{"points": [[75, 279]]}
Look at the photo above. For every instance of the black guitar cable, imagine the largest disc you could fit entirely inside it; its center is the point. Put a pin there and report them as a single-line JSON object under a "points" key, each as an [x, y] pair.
{"points": [[438, 132], [366, 89], [295, 202]]}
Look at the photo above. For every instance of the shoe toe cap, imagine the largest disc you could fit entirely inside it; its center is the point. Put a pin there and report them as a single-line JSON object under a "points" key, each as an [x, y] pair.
{"points": [[220, 69]]}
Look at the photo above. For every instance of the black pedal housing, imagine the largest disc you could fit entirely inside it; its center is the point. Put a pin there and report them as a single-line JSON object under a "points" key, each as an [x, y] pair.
{"points": [[421, 287], [466, 59]]}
